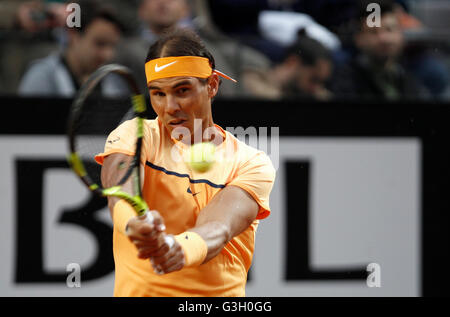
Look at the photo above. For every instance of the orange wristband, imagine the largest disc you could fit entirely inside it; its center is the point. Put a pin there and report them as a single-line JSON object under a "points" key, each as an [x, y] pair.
{"points": [[194, 248], [122, 213]]}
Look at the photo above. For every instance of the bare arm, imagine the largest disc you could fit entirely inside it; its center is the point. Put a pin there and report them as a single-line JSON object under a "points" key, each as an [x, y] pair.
{"points": [[228, 214]]}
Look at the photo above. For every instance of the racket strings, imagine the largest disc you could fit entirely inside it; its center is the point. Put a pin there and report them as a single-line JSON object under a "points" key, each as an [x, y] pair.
{"points": [[98, 118]]}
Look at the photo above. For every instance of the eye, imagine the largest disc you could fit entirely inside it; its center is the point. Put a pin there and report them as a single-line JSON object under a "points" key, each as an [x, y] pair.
{"points": [[158, 93], [101, 43], [182, 90]]}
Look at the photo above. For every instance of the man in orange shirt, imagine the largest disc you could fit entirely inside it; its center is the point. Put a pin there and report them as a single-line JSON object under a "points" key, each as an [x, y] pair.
{"points": [[211, 216]]}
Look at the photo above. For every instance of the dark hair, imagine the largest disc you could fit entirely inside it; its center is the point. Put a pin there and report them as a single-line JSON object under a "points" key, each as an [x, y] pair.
{"points": [[179, 42], [308, 49], [92, 10]]}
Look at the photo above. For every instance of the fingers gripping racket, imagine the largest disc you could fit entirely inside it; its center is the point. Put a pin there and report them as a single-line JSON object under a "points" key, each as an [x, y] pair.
{"points": [[91, 120]]}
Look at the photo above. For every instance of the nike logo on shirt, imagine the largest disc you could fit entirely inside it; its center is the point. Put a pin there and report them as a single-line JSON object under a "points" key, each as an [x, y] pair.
{"points": [[157, 69], [190, 192]]}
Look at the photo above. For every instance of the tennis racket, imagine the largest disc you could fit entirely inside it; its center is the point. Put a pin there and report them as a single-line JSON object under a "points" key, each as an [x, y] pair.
{"points": [[91, 120]]}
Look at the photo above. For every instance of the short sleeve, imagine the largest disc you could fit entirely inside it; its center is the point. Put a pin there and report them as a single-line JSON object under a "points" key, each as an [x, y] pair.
{"points": [[256, 177], [120, 140]]}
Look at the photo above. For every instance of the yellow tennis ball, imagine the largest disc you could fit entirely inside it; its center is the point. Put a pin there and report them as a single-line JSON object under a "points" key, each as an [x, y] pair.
{"points": [[202, 156]]}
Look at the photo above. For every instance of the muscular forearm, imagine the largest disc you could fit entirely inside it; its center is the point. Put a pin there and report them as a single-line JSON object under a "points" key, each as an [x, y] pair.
{"points": [[231, 212], [216, 235]]}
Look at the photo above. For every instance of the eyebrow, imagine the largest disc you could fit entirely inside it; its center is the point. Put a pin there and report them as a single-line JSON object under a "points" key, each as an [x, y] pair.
{"points": [[181, 83]]}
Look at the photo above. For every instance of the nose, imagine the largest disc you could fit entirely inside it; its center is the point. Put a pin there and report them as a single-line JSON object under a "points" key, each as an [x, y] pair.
{"points": [[106, 53], [172, 105]]}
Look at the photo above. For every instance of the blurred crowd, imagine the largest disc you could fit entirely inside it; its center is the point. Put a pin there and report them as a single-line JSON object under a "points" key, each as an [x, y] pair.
{"points": [[276, 49]]}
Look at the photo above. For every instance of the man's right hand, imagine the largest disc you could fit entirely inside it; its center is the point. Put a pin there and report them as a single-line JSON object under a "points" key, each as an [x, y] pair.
{"points": [[147, 234]]}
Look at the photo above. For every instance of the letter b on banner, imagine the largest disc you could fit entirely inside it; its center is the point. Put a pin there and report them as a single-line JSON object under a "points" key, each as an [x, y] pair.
{"points": [[30, 250]]}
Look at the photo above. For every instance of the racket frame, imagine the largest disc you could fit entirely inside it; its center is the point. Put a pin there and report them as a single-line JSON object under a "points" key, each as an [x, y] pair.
{"points": [[139, 108]]}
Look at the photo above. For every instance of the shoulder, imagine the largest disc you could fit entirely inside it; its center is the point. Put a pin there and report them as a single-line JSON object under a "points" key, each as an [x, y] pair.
{"points": [[153, 133], [249, 157], [47, 64], [39, 78], [152, 127]]}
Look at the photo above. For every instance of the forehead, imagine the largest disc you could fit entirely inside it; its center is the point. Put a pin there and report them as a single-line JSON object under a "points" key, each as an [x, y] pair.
{"points": [[100, 26], [173, 81]]}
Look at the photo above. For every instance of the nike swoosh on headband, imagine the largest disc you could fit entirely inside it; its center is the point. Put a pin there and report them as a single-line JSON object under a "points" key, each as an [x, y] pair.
{"points": [[194, 66], [157, 69]]}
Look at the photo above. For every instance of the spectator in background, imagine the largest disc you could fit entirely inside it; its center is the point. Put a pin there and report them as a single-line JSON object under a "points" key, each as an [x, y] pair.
{"points": [[155, 17], [282, 28], [90, 46], [31, 15], [244, 26], [375, 71], [304, 72], [421, 55], [160, 16], [29, 29]]}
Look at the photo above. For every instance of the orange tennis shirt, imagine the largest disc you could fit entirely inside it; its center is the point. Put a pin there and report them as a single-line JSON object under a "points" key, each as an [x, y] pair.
{"points": [[179, 194]]}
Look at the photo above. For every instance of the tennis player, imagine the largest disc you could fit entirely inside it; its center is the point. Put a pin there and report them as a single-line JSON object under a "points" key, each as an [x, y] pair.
{"points": [[212, 216]]}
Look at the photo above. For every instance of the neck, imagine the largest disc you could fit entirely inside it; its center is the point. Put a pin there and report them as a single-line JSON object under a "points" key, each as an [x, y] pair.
{"points": [[206, 131], [210, 133]]}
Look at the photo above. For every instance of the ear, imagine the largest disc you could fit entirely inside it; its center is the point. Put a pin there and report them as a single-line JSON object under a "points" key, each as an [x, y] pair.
{"points": [[213, 85]]}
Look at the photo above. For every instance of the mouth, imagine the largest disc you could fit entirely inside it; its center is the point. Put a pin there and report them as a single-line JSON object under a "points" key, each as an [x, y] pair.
{"points": [[177, 122]]}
